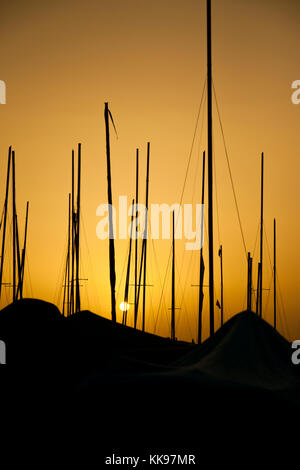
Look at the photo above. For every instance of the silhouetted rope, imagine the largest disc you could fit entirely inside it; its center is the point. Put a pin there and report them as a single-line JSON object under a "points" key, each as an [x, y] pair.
{"points": [[182, 193], [230, 173]]}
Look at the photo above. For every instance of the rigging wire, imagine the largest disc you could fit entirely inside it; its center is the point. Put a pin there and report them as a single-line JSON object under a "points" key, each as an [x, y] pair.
{"points": [[183, 189], [230, 173]]}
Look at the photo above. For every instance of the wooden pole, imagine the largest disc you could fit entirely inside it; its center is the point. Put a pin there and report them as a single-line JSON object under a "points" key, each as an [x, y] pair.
{"points": [[136, 240], [110, 216], [275, 274], [173, 280], [5, 218], [146, 236], [261, 234], [210, 171], [202, 267]]}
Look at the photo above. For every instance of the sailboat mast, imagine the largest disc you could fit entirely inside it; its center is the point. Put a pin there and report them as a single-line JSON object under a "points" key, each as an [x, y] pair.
{"points": [[69, 258], [261, 234], [146, 236], [249, 284], [210, 170], [14, 223], [77, 302], [5, 217], [222, 304], [72, 239], [110, 216], [136, 239], [128, 269], [202, 267], [173, 279], [24, 251], [275, 319]]}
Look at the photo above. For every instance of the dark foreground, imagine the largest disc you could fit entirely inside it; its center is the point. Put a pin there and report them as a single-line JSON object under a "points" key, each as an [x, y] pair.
{"points": [[121, 390]]}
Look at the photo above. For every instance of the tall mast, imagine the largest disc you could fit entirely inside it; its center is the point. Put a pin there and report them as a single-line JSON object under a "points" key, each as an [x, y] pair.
{"points": [[146, 236], [249, 284], [72, 239], [22, 262], [14, 222], [24, 250], [18, 258], [210, 171], [69, 256], [128, 269], [77, 305], [173, 279], [275, 274], [261, 234], [202, 267], [112, 268], [222, 304], [5, 217], [136, 239], [110, 216], [258, 288]]}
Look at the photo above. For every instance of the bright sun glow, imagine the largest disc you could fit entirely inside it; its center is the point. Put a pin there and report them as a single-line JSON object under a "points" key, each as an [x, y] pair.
{"points": [[124, 306]]}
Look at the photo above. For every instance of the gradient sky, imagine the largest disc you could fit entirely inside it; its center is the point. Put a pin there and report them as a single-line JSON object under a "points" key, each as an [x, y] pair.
{"points": [[61, 60]]}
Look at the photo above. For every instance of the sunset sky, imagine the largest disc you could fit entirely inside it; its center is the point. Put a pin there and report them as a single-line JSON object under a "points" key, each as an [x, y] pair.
{"points": [[61, 60]]}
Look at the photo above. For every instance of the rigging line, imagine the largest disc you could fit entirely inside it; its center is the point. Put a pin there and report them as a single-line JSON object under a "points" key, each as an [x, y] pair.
{"points": [[123, 269], [183, 189], [28, 273], [268, 298], [216, 197], [230, 173], [160, 282], [83, 225], [284, 316], [193, 198], [183, 304], [216, 192]]}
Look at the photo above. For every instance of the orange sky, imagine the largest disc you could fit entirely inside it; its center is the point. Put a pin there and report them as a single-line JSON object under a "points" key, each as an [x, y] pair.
{"points": [[62, 60]]}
